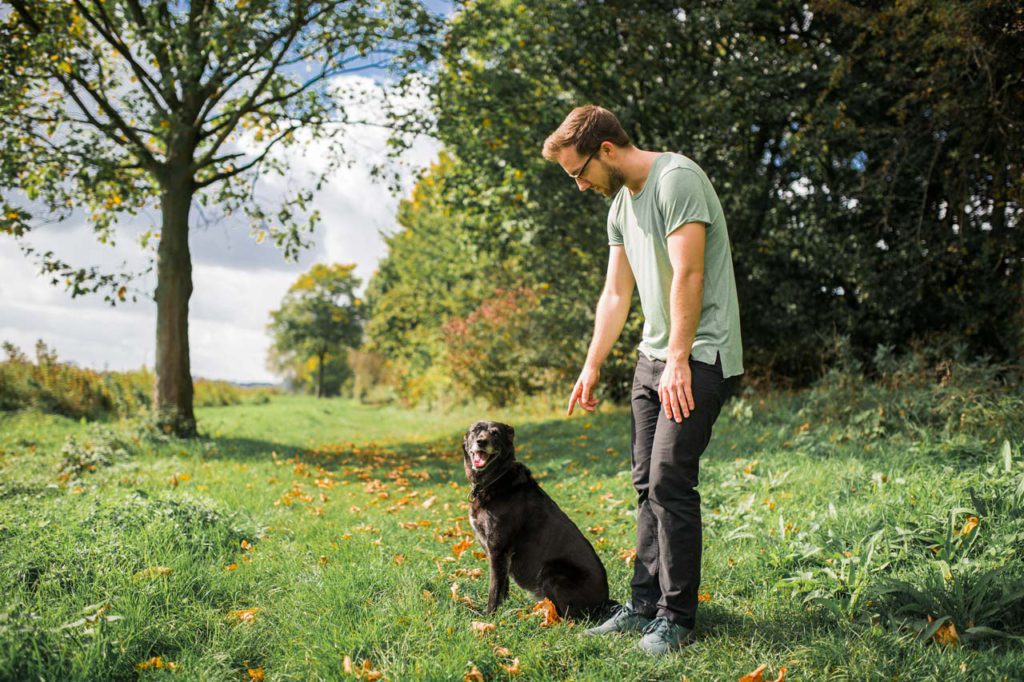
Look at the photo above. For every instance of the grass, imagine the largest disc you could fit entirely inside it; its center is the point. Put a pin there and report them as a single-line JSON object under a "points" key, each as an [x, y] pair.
{"points": [[340, 525]]}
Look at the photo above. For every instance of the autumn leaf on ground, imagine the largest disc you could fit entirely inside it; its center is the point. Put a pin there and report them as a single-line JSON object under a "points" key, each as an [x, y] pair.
{"points": [[152, 572], [946, 634], [481, 628], [628, 555], [456, 597], [502, 651], [704, 596], [550, 613], [512, 668], [758, 675], [460, 547], [969, 525], [367, 672], [156, 663], [474, 675], [255, 674], [243, 615]]}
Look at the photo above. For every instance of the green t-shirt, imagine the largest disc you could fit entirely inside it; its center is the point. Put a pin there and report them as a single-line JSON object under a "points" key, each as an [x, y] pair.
{"points": [[678, 192]]}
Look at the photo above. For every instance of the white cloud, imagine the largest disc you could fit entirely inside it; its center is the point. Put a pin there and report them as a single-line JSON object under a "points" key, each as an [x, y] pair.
{"points": [[236, 282]]}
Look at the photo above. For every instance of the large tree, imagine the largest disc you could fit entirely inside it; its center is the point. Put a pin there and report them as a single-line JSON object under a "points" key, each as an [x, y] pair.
{"points": [[116, 106]]}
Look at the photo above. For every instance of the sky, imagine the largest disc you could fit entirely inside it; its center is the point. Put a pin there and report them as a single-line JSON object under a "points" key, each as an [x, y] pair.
{"points": [[237, 282]]}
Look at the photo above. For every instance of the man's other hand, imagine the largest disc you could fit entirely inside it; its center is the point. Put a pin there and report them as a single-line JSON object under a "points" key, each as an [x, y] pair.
{"points": [[674, 390], [583, 392]]}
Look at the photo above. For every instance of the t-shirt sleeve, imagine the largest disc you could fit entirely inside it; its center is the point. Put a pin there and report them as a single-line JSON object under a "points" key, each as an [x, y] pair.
{"points": [[681, 199], [614, 231]]}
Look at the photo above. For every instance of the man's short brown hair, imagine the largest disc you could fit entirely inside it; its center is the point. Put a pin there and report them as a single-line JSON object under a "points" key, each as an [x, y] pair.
{"points": [[584, 129]]}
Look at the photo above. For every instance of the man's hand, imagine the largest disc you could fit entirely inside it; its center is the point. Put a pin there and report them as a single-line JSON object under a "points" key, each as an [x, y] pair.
{"points": [[674, 390], [583, 392]]}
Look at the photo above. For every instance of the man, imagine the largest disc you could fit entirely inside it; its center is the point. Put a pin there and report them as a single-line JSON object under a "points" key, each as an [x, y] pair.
{"points": [[668, 237]]}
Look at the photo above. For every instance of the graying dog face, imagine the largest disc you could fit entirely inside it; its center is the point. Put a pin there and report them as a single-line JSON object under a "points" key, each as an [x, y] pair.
{"points": [[486, 442]]}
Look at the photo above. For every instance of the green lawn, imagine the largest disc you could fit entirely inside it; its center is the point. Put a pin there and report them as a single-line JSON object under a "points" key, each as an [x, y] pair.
{"points": [[301, 534]]}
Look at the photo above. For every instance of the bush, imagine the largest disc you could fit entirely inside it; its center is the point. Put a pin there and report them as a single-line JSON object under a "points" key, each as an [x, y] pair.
{"points": [[61, 388]]}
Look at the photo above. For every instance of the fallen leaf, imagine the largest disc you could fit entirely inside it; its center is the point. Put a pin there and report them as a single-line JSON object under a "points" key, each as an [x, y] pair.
{"points": [[399, 559], [547, 608], [152, 572], [459, 548], [346, 665], [481, 628], [255, 674], [704, 596], [947, 634], [512, 668], [628, 555], [156, 663], [474, 675], [969, 525], [243, 615], [231, 567], [502, 651]]}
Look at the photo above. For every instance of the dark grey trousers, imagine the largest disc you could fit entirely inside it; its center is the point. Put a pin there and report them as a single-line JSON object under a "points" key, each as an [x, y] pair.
{"points": [[666, 460]]}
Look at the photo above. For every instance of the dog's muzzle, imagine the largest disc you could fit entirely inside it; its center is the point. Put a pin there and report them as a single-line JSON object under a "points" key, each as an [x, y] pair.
{"points": [[479, 458]]}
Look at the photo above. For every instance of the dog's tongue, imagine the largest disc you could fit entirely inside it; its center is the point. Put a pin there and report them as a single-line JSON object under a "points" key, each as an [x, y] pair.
{"points": [[478, 461]]}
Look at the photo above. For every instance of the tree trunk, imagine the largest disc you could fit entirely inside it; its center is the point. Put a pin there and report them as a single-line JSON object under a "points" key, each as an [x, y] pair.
{"points": [[172, 400], [320, 379]]}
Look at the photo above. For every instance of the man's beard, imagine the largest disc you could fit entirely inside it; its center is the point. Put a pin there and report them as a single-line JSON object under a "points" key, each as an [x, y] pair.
{"points": [[615, 181]]}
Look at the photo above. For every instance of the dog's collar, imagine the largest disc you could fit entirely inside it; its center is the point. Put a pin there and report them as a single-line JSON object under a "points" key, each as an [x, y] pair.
{"points": [[479, 488]]}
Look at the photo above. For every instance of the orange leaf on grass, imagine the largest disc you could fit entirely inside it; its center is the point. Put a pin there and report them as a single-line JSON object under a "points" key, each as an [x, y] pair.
{"points": [[255, 674], [547, 608], [459, 548], [628, 555], [513, 667], [156, 663], [243, 615], [474, 675], [704, 596], [969, 525]]}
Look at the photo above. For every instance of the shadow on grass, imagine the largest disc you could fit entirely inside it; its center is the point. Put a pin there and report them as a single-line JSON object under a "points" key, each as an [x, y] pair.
{"points": [[551, 447]]}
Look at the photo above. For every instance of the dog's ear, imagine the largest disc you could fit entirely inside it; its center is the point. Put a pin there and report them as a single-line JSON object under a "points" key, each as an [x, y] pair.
{"points": [[510, 434]]}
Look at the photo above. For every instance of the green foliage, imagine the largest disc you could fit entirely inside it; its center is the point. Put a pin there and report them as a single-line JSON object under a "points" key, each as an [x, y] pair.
{"points": [[319, 318], [866, 195], [115, 106], [51, 386]]}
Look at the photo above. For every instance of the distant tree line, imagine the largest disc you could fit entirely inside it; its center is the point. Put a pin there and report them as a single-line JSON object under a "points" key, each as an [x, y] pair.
{"points": [[868, 157]]}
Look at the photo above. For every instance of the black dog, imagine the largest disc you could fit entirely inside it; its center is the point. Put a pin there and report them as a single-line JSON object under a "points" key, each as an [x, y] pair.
{"points": [[524, 531]]}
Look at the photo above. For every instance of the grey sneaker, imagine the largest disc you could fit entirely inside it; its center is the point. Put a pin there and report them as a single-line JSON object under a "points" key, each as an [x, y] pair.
{"points": [[623, 619], [663, 636]]}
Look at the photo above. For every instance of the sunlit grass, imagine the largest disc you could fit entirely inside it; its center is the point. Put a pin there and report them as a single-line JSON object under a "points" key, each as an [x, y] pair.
{"points": [[336, 527]]}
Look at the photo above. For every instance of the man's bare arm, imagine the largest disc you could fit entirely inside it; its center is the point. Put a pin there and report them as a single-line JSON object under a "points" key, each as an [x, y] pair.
{"points": [[686, 252], [610, 318]]}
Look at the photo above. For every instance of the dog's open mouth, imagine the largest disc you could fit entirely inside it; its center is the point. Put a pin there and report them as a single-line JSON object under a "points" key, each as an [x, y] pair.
{"points": [[478, 459]]}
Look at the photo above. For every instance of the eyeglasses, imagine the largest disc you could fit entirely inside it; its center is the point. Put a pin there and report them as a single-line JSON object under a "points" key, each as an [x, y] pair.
{"points": [[586, 163]]}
